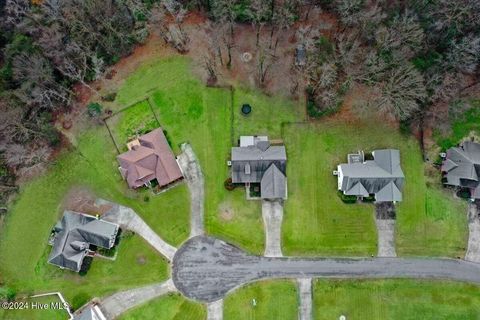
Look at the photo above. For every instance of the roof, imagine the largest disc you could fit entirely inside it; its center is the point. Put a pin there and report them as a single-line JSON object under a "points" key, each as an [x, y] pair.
{"points": [[151, 159], [273, 184], [90, 313], [382, 176], [74, 233], [462, 166], [260, 163]]}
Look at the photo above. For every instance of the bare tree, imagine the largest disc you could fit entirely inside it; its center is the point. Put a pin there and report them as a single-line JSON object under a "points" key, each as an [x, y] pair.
{"points": [[464, 55], [259, 14]]}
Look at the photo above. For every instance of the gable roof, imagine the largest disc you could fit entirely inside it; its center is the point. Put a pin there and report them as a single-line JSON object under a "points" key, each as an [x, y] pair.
{"points": [[74, 233], [152, 159], [389, 192], [382, 176], [273, 184]]}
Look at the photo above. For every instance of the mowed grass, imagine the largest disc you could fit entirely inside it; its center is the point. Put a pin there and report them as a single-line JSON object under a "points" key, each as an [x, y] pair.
{"points": [[91, 165], [172, 306], [395, 299], [317, 222], [190, 112], [274, 300]]}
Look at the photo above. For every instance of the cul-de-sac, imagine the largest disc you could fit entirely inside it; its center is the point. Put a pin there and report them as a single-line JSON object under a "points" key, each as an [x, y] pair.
{"points": [[239, 159]]}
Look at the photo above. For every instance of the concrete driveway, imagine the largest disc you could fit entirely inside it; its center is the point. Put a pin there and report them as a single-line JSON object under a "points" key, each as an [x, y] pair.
{"points": [[473, 249], [272, 213]]}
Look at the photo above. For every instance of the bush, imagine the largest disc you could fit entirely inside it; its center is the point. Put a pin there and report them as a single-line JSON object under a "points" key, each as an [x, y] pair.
{"points": [[464, 193], [79, 300], [146, 199], [229, 185], [87, 262], [94, 109], [347, 199], [368, 199], [110, 96], [7, 294]]}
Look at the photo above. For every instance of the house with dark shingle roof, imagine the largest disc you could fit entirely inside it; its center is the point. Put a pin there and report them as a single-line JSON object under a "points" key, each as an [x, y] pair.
{"points": [[149, 158], [74, 234], [461, 167], [381, 177], [256, 161]]}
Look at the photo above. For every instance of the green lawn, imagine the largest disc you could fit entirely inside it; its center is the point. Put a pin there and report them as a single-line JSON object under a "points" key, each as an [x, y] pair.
{"points": [[395, 299], [171, 307], [189, 111], [317, 222], [274, 300], [31, 310], [91, 165]]}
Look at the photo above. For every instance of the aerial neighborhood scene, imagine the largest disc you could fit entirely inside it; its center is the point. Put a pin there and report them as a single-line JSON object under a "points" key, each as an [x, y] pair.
{"points": [[239, 159]]}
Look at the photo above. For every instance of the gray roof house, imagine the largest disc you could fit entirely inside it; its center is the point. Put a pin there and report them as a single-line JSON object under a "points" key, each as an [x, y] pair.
{"points": [[461, 167], [74, 234], [381, 177], [256, 161]]}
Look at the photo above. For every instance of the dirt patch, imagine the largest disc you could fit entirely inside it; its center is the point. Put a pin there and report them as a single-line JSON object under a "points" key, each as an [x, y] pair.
{"points": [[226, 212], [141, 260], [82, 199]]}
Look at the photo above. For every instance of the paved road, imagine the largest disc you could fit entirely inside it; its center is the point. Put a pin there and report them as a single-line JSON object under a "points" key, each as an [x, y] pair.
{"points": [[128, 219], [206, 269], [116, 304], [272, 213], [193, 175]]}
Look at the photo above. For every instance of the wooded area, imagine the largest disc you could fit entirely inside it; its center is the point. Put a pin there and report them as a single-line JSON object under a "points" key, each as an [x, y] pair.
{"points": [[415, 57]]}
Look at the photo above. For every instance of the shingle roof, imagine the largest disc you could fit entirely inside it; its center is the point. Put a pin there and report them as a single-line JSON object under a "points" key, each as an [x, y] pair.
{"points": [[152, 159], [372, 176], [74, 233], [273, 184]]}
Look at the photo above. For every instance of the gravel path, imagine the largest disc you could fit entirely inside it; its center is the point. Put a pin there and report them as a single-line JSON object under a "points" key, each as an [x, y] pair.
{"points": [[385, 222], [206, 269], [215, 310], [305, 292], [193, 175], [114, 305], [272, 213], [473, 249], [128, 219]]}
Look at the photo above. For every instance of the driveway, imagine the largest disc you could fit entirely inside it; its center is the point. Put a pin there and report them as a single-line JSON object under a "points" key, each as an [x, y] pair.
{"points": [[473, 249], [120, 302], [193, 175], [305, 292], [129, 219], [385, 222], [206, 269], [272, 213]]}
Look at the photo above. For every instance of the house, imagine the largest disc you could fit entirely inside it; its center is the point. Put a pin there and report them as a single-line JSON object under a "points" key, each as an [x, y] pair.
{"points": [[381, 177], [74, 234], [149, 158], [90, 312], [255, 161], [461, 167]]}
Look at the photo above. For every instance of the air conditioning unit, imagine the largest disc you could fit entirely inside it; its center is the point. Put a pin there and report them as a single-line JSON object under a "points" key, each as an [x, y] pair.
{"points": [[335, 172], [229, 163], [443, 155]]}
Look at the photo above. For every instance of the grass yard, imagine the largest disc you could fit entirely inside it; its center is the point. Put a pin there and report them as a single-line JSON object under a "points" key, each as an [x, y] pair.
{"points": [[48, 313], [90, 165], [276, 299], [317, 222], [171, 307], [395, 299], [189, 111]]}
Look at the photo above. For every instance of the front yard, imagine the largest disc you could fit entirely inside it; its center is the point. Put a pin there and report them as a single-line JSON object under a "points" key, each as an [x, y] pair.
{"points": [[429, 221]]}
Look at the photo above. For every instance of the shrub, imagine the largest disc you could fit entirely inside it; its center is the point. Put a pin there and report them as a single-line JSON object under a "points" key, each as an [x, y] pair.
{"points": [[146, 199], [79, 300], [7, 294], [94, 109], [229, 185], [347, 199], [87, 262], [110, 96], [464, 193]]}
